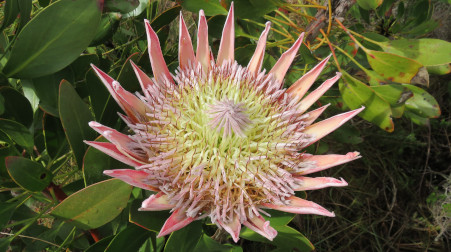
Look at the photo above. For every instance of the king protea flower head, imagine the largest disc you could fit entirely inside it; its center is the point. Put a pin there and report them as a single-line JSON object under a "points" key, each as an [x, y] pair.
{"points": [[222, 140]]}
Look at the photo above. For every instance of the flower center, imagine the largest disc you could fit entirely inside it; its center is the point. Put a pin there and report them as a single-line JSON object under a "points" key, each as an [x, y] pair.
{"points": [[230, 117]]}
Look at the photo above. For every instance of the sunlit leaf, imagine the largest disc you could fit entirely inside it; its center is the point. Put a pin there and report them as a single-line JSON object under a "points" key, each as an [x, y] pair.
{"points": [[95, 205], [357, 94], [427, 51], [398, 68], [422, 103]]}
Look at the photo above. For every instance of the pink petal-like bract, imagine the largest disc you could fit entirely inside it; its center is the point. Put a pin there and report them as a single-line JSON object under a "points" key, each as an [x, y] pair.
{"points": [[220, 140]]}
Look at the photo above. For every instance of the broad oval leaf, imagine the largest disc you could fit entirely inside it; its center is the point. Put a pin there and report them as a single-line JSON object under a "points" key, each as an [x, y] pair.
{"points": [[53, 38], [28, 174], [427, 51], [369, 4], [397, 68], [94, 205], [211, 8], [152, 221], [75, 116], [422, 103], [129, 239], [17, 107], [122, 6], [54, 137], [18, 133], [356, 94]]}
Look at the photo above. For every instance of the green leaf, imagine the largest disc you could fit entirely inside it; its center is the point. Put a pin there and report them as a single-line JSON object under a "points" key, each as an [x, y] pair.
{"points": [[47, 88], [106, 29], [95, 162], [75, 116], [6, 211], [440, 69], [94, 205], [369, 4], [206, 243], [17, 107], [101, 245], [422, 103], [356, 94], [397, 68], [190, 236], [165, 18], [10, 12], [25, 7], [152, 221], [18, 133], [287, 238], [427, 51], [122, 6], [53, 38], [129, 239], [254, 9], [104, 106], [28, 174], [30, 93], [211, 8], [54, 137]]}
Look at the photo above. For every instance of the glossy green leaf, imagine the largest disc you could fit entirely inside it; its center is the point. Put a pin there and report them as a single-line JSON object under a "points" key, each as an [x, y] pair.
{"points": [[427, 51], [28, 174], [211, 8], [369, 4], [397, 68], [122, 6], [206, 243], [25, 7], [129, 239], [17, 107], [108, 25], [47, 89], [75, 116], [53, 38], [127, 76], [82, 65], [165, 18], [422, 103], [101, 245], [95, 205], [95, 162], [152, 221], [190, 236], [104, 106], [54, 137], [254, 9], [10, 12], [287, 238], [30, 93], [6, 211], [357, 94], [18, 133]]}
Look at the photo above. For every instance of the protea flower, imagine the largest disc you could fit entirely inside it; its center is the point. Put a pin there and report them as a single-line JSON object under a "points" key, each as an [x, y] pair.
{"points": [[221, 140]]}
